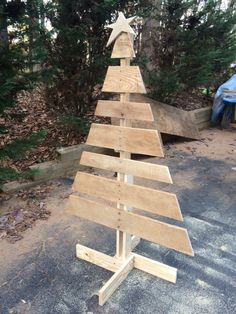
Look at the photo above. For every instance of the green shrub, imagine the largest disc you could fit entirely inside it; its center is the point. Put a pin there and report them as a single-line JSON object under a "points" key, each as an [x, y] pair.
{"points": [[73, 123], [16, 151]]}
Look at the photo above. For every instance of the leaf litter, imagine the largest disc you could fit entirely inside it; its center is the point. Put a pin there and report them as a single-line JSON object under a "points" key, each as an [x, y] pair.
{"points": [[23, 210]]}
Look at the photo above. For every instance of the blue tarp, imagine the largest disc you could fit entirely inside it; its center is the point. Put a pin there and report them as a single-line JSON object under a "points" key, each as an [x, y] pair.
{"points": [[219, 105]]}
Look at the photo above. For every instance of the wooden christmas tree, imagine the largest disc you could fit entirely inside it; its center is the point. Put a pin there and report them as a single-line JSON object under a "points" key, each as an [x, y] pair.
{"points": [[126, 79]]}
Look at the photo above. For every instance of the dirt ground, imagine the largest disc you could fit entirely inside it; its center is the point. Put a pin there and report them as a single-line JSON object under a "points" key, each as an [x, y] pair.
{"points": [[40, 273], [215, 143]]}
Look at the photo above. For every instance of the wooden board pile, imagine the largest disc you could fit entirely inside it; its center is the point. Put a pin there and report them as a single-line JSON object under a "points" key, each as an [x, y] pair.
{"points": [[126, 79]]}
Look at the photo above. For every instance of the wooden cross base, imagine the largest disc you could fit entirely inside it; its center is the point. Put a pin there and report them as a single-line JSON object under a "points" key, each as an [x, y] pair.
{"points": [[122, 267]]}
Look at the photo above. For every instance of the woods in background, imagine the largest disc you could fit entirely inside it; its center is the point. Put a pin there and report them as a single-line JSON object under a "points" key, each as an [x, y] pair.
{"points": [[191, 44], [186, 44]]}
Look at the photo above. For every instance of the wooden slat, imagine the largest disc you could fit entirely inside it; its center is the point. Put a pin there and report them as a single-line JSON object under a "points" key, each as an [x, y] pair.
{"points": [[114, 282], [167, 119], [152, 230], [124, 110], [125, 79], [139, 141], [122, 165], [158, 202], [155, 268], [123, 47], [97, 258]]}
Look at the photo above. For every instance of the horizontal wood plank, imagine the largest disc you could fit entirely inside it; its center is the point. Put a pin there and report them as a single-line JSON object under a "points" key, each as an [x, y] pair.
{"points": [[123, 47], [152, 230], [124, 110], [132, 167], [134, 140], [154, 201], [167, 119], [155, 268], [97, 258], [125, 79]]}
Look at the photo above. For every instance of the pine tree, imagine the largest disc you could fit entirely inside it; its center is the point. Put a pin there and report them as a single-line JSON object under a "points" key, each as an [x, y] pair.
{"points": [[15, 62], [16, 150], [193, 44], [6, 67]]}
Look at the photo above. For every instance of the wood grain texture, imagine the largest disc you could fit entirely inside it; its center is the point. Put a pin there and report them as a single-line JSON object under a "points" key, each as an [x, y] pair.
{"points": [[132, 167], [170, 120], [155, 268], [152, 230], [123, 47], [167, 119], [113, 264], [154, 201], [123, 239], [124, 79], [114, 282], [124, 110], [139, 141], [97, 258]]}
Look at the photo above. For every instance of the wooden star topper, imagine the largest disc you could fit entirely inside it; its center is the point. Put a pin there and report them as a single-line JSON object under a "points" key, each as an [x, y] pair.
{"points": [[121, 25]]}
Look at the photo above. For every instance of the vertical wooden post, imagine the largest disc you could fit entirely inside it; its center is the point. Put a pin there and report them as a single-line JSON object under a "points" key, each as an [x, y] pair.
{"points": [[123, 239]]}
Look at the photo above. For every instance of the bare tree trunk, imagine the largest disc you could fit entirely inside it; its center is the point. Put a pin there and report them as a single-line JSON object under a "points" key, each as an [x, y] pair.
{"points": [[150, 29], [34, 8], [3, 25]]}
